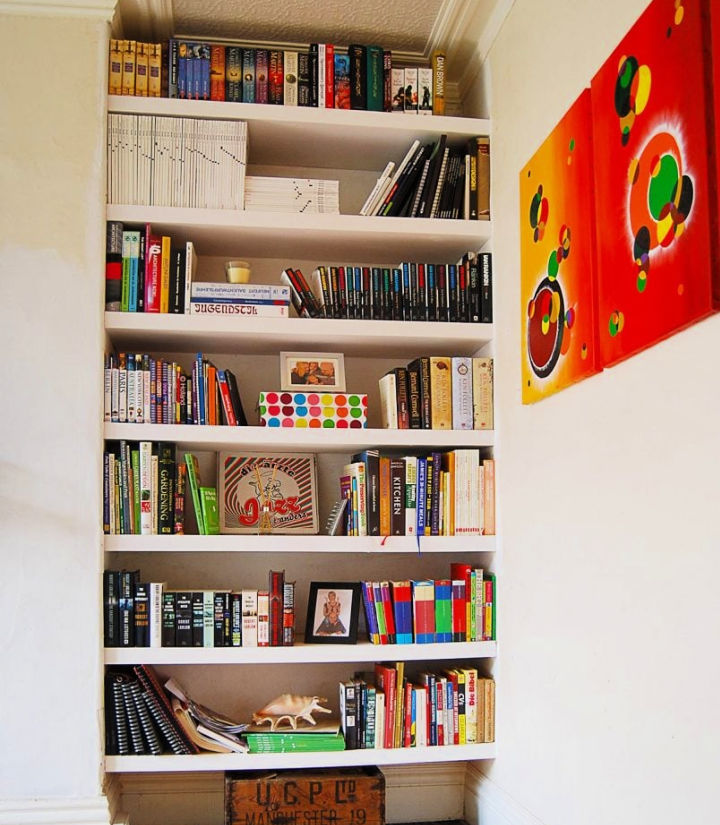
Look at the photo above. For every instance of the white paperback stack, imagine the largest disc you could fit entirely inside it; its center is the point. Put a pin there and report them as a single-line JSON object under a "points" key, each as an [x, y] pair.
{"points": [[263, 194], [240, 300], [176, 161]]}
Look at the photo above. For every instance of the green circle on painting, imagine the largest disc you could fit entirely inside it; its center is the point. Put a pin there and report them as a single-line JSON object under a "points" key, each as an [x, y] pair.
{"points": [[572, 144], [663, 186], [263, 409], [328, 423], [553, 264], [641, 282], [612, 327], [355, 412], [354, 400]]}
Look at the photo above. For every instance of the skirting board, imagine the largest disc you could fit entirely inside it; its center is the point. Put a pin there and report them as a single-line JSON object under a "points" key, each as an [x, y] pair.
{"points": [[487, 804], [83, 811]]}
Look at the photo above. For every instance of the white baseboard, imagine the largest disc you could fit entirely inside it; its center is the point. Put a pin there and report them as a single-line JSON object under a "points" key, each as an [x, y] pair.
{"points": [[486, 803], [81, 811]]}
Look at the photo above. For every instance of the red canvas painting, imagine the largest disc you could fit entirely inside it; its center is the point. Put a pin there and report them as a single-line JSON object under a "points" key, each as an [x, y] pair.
{"points": [[557, 258], [654, 189], [714, 86]]}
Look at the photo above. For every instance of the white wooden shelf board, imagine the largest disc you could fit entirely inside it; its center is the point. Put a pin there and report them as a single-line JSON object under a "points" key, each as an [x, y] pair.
{"points": [[358, 238], [292, 439], [169, 763], [269, 336], [299, 653], [308, 136], [354, 545]]}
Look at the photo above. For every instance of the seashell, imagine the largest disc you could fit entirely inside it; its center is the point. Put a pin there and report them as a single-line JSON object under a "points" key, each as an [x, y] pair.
{"points": [[290, 707]]}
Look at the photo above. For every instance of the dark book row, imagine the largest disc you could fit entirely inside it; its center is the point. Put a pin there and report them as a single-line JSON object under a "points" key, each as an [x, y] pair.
{"points": [[435, 180], [388, 708], [437, 494], [457, 609], [325, 75], [413, 291], [145, 390], [139, 613]]}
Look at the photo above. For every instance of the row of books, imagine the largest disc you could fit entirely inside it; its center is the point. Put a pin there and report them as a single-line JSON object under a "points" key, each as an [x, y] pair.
{"points": [[435, 180], [143, 716], [457, 609], [439, 494], [140, 389], [386, 709], [154, 160], [145, 490], [135, 68], [412, 291], [439, 393], [138, 613], [145, 271], [325, 75], [304, 195]]}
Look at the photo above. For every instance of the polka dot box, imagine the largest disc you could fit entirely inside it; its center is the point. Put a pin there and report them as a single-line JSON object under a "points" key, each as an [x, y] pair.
{"points": [[317, 410]]}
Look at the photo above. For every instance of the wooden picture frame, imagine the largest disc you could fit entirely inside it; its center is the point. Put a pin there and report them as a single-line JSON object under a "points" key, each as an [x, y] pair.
{"points": [[323, 371], [332, 613]]}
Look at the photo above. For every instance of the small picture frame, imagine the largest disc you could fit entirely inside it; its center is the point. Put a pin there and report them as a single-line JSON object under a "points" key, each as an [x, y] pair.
{"points": [[322, 370], [332, 613]]}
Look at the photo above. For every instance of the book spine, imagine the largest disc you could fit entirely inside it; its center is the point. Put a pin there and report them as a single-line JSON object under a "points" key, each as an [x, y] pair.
{"points": [[397, 496], [438, 60], [358, 77], [290, 78]]}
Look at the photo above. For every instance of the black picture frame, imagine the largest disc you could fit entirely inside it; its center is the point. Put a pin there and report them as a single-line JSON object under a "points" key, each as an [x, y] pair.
{"points": [[319, 625]]}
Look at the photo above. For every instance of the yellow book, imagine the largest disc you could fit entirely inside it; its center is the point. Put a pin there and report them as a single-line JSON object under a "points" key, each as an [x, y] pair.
{"points": [[115, 68], [438, 76], [141, 70], [154, 70], [482, 384], [129, 48], [483, 178], [165, 274], [441, 392]]}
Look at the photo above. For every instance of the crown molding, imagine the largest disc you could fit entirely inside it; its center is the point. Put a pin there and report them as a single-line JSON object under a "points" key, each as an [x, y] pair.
{"points": [[485, 40], [150, 20], [95, 9]]}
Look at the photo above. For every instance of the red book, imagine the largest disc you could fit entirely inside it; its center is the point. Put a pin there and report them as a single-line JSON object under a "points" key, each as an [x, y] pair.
{"points": [[153, 270], [459, 570], [226, 400], [217, 72], [388, 611], [386, 681], [459, 611], [276, 588], [329, 76], [407, 721], [276, 85], [452, 677]]}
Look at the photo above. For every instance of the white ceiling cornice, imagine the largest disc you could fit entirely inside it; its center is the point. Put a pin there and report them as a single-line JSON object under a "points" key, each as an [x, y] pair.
{"points": [[96, 9], [485, 39], [148, 19]]}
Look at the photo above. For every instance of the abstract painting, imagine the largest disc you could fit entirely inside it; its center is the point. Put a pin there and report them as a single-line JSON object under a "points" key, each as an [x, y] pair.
{"points": [[557, 231], [653, 181]]}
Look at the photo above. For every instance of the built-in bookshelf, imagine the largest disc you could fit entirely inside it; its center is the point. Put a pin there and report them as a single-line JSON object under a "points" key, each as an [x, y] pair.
{"points": [[354, 146]]}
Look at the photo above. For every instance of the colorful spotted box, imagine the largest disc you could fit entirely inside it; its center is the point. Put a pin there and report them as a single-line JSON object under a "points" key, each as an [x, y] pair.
{"points": [[317, 410]]}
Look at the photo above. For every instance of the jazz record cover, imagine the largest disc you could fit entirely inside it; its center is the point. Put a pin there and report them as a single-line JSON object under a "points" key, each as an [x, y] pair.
{"points": [[285, 484]]}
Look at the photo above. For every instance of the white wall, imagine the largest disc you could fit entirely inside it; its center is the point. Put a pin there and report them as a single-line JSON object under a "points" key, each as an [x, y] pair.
{"points": [[608, 610], [51, 263]]}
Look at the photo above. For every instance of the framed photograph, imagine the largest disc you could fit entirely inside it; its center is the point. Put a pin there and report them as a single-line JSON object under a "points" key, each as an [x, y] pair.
{"points": [[323, 370], [332, 613], [281, 488]]}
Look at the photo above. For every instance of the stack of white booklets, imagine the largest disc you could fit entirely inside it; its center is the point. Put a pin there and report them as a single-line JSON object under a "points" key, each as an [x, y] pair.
{"points": [[223, 299], [176, 161], [264, 194]]}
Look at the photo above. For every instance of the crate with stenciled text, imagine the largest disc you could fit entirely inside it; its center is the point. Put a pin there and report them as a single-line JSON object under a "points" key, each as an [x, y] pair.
{"points": [[323, 796]]}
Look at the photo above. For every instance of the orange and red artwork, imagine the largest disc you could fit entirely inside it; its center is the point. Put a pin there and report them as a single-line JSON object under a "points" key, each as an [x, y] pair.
{"points": [[557, 230], [654, 197]]}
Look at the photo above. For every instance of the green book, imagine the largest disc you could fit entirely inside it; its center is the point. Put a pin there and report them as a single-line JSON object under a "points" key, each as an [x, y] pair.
{"points": [[209, 506], [194, 482], [135, 463], [298, 742]]}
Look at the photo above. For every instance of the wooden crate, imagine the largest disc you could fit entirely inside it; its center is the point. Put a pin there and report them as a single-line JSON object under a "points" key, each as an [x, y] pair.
{"points": [[320, 796]]}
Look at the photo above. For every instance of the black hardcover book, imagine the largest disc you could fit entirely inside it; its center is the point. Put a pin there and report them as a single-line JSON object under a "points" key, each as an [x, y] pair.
{"points": [[219, 619], [262, 66], [183, 618], [402, 393], [120, 741], [133, 721], [421, 306], [433, 205], [397, 496], [314, 73], [417, 197], [413, 378], [142, 614], [371, 459], [248, 65], [147, 726], [168, 619], [141, 273], [162, 712], [128, 580], [236, 619], [486, 309], [342, 293], [442, 292], [453, 294], [111, 608], [406, 183], [428, 194], [348, 713], [473, 287], [235, 398], [198, 618], [386, 300], [458, 203], [303, 80], [233, 74], [376, 290], [358, 76], [397, 295], [166, 487], [431, 291], [227, 619], [176, 303], [366, 306], [422, 367], [462, 290], [349, 291], [334, 284], [448, 187]]}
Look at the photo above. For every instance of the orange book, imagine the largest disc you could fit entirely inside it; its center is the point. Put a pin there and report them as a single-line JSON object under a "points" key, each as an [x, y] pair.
{"points": [[488, 491], [384, 496]]}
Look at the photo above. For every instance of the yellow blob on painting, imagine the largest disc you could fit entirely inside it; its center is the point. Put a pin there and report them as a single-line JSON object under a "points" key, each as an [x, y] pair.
{"points": [[680, 289], [663, 227], [633, 170], [555, 307], [545, 325], [642, 88], [679, 13]]}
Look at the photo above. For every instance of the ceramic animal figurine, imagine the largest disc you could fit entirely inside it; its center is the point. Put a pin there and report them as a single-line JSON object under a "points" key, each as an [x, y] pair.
{"points": [[290, 707]]}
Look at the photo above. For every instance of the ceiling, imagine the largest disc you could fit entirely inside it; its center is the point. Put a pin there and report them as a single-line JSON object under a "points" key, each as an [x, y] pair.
{"points": [[412, 29]]}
